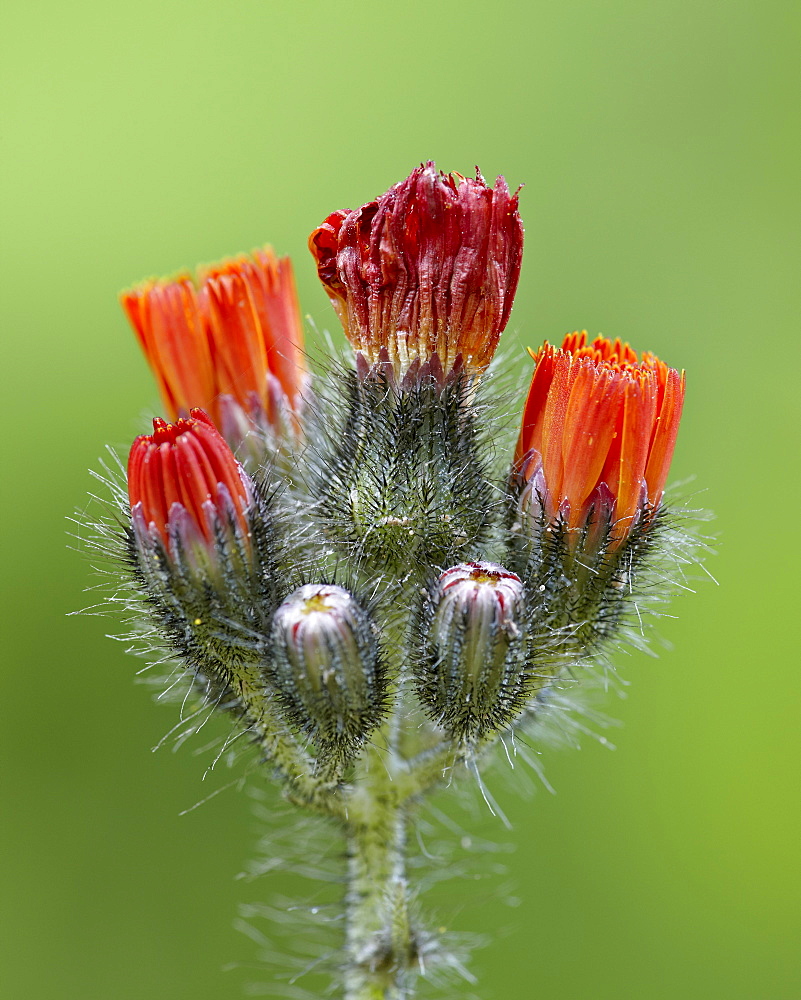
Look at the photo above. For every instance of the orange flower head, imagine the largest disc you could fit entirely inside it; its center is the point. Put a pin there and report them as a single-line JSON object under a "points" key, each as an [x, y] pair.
{"points": [[423, 278], [183, 482], [598, 431], [229, 340]]}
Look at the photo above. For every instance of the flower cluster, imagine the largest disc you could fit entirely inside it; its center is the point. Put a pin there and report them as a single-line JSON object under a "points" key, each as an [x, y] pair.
{"points": [[347, 571]]}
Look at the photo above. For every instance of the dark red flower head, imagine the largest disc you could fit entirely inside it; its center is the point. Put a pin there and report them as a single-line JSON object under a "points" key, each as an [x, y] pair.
{"points": [[229, 340], [598, 431], [424, 277], [183, 476]]}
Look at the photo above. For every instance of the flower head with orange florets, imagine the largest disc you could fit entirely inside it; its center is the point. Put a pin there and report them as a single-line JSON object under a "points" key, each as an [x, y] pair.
{"points": [[598, 432], [423, 278], [229, 340], [588, 524]]}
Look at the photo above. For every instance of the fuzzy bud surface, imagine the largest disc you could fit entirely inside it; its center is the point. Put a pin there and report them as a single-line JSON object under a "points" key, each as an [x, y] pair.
{"points": [[326, 667], [471, 671], [423, 278]]}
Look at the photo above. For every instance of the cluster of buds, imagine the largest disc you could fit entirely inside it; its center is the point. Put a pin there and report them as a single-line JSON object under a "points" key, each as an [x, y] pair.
{"points": [[397, 484], [348, 569]]}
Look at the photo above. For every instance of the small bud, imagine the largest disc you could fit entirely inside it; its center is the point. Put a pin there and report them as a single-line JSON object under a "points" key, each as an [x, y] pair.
{"points": [[201, 548], [471, 673], [229, 340], [187, 490], [326, 668], [423, 278]]}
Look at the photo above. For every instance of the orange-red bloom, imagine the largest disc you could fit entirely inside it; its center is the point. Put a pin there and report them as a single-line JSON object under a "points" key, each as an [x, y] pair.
{"points": [[598, 431], [230, 340], [423, 278], [184, 478]]}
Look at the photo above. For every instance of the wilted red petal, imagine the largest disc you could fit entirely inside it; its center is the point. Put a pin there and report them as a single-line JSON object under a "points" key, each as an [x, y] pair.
{"points": [[427, 270]]}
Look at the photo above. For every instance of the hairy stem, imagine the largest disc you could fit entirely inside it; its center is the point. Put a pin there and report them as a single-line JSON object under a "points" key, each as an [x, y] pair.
{"points": [[314, 791], [380, 941]]}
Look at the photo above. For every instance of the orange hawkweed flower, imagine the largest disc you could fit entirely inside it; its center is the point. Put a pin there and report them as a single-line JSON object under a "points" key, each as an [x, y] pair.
{"points": [[598, 431], [423, 278], [229, 340], [184, 482]]}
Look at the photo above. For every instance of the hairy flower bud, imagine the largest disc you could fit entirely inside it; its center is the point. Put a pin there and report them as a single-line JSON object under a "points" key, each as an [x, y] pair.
{"points": [[202, 550], [597, 436], [326, 667], [471, 676], [423, 278], [229, 340]]}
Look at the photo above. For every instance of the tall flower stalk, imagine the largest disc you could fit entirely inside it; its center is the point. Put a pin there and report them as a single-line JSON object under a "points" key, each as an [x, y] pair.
{"points": [[351, 575]]}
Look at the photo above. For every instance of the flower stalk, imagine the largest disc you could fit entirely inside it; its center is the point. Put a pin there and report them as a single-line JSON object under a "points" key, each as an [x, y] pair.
{"points": [[379, 945]]}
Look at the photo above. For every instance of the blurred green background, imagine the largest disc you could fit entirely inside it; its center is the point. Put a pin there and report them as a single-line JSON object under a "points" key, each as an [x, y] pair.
{"points": [[659, 147]]}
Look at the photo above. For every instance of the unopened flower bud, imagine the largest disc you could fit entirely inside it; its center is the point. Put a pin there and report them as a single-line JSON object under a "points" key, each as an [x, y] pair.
{"points": [[200, 547], [188, 493], [326, 667], [471, 676]]}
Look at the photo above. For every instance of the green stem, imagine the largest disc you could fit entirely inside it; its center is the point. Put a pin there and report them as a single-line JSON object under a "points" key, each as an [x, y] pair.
{"points": [[303, 786], [382, 943], [380, 940]]}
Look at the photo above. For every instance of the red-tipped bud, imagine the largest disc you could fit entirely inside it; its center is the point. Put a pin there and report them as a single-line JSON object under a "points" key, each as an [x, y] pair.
{"points": [[183, 482], [230, 340], [470, 675], [598, 432], [423, 278]]}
